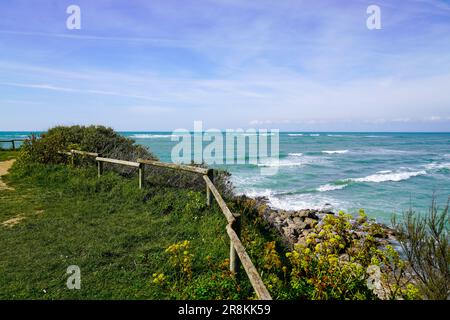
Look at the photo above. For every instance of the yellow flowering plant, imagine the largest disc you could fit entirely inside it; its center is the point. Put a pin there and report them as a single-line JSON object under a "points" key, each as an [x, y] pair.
{"points": [[181, 258], [333, 263]]}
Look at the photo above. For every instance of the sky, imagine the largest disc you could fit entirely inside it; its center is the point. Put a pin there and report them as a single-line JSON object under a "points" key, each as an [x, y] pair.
{"points": [[293, 65]]}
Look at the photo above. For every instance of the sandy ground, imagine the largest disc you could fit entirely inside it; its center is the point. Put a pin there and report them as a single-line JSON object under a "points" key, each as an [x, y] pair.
{"points": [[12, 222], [4, 168]]}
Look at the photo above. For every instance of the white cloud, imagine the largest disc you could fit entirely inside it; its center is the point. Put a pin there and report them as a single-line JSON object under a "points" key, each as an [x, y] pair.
{"points": [[435, 118]]}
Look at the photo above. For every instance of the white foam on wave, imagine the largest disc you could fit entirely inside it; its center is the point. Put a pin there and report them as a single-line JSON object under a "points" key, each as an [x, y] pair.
{"points": [[314, 135], [390, 152], [247, 181], [305, 201], [292, 161], [295, 134], [384, 171], [153, 136], [246, 134], [281, 163], [299, 154], [385, 177], [330, 187], [335, 151], [437, 166], [376, 136], [335, 135]]}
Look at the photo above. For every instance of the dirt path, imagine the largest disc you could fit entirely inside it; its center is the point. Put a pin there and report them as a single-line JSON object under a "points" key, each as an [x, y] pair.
{"points": [[4, 168]]}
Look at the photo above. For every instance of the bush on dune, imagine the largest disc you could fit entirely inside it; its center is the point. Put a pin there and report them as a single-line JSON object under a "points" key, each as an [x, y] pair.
{"points": [[110, 144], [98, 139]]}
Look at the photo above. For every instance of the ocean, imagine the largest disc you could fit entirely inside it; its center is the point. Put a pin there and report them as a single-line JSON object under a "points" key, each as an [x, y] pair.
{"points": [[383, 173]]}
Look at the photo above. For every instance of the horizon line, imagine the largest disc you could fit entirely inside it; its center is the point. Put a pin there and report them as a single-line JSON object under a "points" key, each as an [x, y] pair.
{"points": [[168, 131]]}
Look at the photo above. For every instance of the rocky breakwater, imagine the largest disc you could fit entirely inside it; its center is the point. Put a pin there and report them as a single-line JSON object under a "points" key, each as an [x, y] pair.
{"points": [[295, 225]]}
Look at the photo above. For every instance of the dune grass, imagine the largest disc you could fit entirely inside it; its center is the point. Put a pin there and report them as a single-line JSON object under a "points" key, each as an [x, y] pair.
{"points": [[116, 233], [8, 154]]}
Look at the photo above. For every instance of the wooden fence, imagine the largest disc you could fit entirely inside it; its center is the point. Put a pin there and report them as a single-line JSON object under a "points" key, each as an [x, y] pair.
{"points": [[13, 142], [233, 228]]}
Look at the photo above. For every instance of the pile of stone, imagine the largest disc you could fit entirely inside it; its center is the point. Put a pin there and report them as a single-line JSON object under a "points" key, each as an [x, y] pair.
{"points": [[294, 226]]}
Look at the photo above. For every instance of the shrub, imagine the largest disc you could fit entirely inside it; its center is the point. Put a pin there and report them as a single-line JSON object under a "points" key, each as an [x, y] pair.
{"points": [[425, 243], [110, 144], [181, 258], [336, 263], [218, 283], [98, 139]]}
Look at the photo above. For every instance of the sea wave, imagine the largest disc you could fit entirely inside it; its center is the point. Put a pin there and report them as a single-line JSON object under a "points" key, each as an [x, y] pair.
{"points": [[330, 187], [376, 136], [437, 166], [282, 163], [292, 161], [314, 135], [295, 134], [385, 177], [388, 152], [335, 151], [153, 136], [302, 201], [335, 135]]}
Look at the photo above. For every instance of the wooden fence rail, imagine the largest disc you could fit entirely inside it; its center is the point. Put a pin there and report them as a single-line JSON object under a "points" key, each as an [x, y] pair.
{"points": [[84, 153], [248, 265], [13, 142], [174, 166], [233, 228]]}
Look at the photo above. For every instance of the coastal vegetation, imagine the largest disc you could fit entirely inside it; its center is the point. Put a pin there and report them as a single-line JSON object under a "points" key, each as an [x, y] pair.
{"points": [[163, 242], [8, 154], [425, 243]]}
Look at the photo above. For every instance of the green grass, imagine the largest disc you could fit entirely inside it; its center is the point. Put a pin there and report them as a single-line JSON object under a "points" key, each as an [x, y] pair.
{"points": [[8, 154], [116, 233]]}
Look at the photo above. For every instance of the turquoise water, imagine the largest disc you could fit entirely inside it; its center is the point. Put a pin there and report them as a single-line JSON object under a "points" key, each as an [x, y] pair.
{"points": [[384, 173]]}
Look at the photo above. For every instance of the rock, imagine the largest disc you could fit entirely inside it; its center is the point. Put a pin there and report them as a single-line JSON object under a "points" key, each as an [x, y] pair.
{"points": [[305, 232], [297, 220], [298, 223], [291, 233], [301, 241], [358, 234], [311, 222], [302, 213], [284, 215], [313, 215]]}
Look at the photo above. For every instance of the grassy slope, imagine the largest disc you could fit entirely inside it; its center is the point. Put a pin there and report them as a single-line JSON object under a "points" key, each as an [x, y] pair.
{"points": [[8, 154], [106, 228]]}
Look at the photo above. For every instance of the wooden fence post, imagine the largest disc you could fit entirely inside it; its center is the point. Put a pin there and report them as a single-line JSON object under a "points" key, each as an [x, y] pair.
{"points": [[234, 259], [141, 176], [14, 145], [210, 175], [99, 168]]}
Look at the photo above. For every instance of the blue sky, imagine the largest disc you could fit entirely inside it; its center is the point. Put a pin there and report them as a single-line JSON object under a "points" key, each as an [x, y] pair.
{"points": [[287, 64]]}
